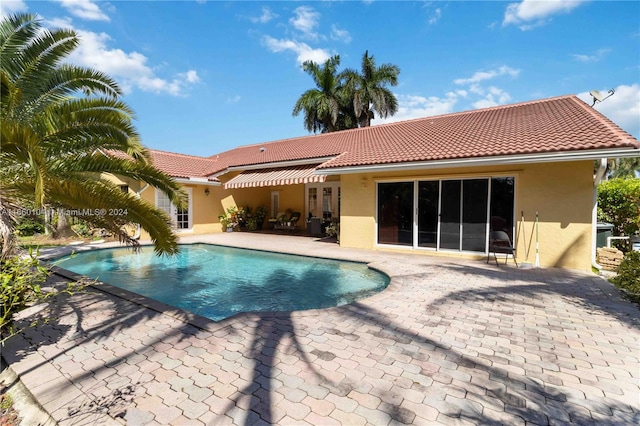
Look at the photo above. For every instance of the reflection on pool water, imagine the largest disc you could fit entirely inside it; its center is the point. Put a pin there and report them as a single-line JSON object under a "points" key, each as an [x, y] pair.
{"points": [[218, 282]]}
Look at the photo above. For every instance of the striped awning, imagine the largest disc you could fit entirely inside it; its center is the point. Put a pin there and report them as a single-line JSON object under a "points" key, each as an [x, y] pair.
{"points": [[276, 176]]}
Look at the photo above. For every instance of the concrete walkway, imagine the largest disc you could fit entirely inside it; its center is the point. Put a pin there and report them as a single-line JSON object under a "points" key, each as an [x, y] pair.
{"points": [[449, 342]]}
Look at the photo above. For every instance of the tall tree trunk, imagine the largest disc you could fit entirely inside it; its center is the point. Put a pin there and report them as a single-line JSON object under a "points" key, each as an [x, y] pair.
{"points": [[63, 229], [47, 220], [6, 232]]}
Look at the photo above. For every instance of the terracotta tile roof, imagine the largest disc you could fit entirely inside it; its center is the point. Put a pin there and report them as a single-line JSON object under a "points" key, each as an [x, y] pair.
{"points": [[553, 125], [181, 165], [561, 124]]}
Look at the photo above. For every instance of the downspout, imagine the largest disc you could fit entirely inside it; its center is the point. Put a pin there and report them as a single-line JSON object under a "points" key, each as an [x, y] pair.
{"points": [[139, 229], [594, 213]]}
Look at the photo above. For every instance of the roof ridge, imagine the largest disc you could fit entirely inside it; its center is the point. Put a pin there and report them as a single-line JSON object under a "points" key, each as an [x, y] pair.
{"points": [[179, 154], [474, 111], [395, 123]]}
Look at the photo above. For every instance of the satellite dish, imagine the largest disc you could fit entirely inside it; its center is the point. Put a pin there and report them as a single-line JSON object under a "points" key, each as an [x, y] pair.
{"points": [[599, 97]]}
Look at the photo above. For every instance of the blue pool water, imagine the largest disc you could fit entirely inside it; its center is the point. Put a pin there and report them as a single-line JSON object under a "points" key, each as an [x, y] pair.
{"points": [[218, 282]]}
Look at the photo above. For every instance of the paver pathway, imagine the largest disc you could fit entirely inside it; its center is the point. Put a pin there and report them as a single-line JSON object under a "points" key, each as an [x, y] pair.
{"points": [[449, 342]]}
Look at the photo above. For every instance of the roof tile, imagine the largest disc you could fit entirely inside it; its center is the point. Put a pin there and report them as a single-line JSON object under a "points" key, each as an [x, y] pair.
{"points": [[560, 124]]}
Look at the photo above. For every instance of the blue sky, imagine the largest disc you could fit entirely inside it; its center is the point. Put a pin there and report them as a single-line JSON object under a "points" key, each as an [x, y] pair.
{"points": [[205, 76]]}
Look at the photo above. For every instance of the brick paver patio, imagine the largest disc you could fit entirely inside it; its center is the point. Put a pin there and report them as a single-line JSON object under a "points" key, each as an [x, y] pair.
{"points": [[449, 342]]}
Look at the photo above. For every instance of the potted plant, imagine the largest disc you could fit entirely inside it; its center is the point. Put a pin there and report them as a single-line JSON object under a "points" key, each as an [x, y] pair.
{"points": [[260, 215], [224, 223], [252, 224], [231, 219]]}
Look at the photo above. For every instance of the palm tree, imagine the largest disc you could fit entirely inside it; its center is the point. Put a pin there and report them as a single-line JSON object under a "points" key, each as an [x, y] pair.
{"points": [[626, 168], [322, 105], [369, 91], [63, 127]]}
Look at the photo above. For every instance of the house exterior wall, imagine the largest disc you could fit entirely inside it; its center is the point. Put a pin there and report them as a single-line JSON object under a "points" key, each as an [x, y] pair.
{"points": [[562, 193], [133, 184]]}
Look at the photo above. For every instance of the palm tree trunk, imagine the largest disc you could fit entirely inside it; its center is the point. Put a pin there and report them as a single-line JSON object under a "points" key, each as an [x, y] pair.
{"points": [[6, 232], [63, 229]]}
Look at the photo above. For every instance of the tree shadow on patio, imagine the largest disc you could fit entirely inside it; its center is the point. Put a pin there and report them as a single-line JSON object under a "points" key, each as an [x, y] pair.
{"points": [[482, 388], [275, 334], [97, 331], [581, 289]]}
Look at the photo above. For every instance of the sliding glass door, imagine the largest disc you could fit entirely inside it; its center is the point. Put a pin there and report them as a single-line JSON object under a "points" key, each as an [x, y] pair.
{"points": [[395, 213], [428, 198], [474, 214], [452, 214]]}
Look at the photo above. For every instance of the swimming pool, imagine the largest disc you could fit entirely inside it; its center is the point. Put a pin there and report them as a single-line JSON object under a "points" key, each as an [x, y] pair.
{"points": [[218, 282]]}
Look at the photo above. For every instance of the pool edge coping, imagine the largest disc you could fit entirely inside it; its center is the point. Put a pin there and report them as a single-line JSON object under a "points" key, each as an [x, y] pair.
{"points": [[207, 324]]}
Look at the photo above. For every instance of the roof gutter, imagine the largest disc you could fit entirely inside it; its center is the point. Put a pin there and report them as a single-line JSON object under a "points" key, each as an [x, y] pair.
{"points": [[197, 180], [594, 212], [486, 161]]}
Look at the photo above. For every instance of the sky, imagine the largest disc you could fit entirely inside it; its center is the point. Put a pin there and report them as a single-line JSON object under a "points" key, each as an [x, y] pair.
{"points": [[204, 77]]}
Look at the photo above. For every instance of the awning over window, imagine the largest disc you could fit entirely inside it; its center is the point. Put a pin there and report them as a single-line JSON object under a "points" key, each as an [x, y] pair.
{"points": [[277, 176]]}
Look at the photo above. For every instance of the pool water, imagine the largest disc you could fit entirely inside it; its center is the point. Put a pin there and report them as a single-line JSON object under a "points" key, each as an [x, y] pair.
{"points": [[218, 282]]}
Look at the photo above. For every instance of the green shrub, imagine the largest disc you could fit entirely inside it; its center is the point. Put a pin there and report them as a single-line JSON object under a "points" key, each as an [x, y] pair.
{"points": [[628, 277], [619, 204], [260, 215], [82, 229], [252, 224], [28, 226], [20, 280]]}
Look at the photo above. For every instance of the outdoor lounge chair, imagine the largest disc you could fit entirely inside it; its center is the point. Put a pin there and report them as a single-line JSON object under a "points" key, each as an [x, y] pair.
{"points": [[289, 224], [280, 217], [499, 243]]}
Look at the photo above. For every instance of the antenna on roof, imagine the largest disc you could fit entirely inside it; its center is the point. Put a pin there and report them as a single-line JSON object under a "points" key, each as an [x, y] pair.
{"points": [[598, 97]]}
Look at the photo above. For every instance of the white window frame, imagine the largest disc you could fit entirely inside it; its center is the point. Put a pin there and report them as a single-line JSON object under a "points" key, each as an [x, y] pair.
{"points": [[335, 197], [173, 213]]}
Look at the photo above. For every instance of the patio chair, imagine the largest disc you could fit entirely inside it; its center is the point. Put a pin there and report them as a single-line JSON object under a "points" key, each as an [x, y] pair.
{"points": [[289, 224], [280, 217], [499, 243]]}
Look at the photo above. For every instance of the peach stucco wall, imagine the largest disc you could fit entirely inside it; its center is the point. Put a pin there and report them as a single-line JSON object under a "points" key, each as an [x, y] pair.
{"points": [[562, 193]]}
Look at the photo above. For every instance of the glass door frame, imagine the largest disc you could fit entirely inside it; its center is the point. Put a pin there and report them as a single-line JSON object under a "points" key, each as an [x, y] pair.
{"points": [[416, 212], [173, 213], [335, 198]]}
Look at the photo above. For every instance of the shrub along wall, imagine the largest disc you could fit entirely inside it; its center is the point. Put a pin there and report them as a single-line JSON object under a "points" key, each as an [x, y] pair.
{"points": [[619, 204]]}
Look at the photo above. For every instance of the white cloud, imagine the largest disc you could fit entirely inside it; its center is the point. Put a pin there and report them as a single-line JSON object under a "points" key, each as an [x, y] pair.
{"points": [[414, 106], [12, 6], [493, 97], [304, 51], [338, 34], [435, 17], [233, 99], [129, 69], [529, 14], [266, 16], [595, 57], [623, 108], [305, 21], [85, 9], [65, 23], [487, 75], [190, 76]]}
